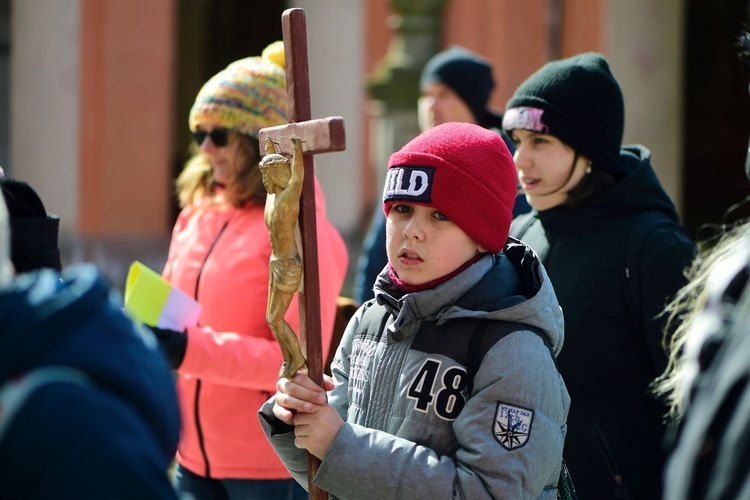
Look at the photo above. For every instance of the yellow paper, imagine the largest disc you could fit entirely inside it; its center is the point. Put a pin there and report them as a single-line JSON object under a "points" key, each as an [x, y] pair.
{"points": [[146, 293], [152, 300]]}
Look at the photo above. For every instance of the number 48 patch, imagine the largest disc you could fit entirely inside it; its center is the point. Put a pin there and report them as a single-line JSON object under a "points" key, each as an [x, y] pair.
{"points": [[447, 398], [444, 392]]}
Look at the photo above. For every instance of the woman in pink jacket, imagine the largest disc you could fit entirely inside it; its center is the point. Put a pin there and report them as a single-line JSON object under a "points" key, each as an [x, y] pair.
{"points": [[229, 363]]}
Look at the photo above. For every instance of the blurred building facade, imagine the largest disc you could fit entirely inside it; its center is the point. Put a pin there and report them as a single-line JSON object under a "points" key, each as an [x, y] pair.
{"points": [[94, 95]]}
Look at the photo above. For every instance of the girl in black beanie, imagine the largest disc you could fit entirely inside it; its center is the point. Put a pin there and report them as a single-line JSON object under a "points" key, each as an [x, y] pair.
{"points": [[610, 239]]}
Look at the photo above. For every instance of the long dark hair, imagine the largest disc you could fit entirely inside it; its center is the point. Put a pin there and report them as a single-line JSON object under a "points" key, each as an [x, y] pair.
{"points": [[593, 184]]}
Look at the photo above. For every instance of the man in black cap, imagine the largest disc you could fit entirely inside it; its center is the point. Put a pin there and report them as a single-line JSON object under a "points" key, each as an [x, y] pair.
{"points": [[456, 85]]}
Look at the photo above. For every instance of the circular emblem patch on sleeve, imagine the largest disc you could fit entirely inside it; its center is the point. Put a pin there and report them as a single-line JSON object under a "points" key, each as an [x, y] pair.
{"points": [[512, 425]]}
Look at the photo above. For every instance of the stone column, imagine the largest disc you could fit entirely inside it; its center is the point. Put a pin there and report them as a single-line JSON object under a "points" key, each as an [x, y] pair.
{"points": [[394, 85], [650, 69]]}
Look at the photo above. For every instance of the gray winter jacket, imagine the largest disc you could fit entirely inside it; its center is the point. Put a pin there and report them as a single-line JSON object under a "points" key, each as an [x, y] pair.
{"points": [[402, 373]]}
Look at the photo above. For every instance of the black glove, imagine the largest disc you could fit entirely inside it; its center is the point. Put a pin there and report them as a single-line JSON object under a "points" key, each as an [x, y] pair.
{"points": [[172, 343]]}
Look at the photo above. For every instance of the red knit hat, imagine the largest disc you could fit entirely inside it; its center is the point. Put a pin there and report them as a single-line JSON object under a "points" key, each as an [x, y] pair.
{"points": [[463, 170]]}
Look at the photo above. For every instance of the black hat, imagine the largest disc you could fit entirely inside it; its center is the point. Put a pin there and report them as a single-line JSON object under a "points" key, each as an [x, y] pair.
{"points": [[578, 101], [467, 74], [33, 233]]}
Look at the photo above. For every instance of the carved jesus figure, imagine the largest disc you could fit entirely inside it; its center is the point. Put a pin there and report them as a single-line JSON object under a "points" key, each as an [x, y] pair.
{"points": [[282, 179]]}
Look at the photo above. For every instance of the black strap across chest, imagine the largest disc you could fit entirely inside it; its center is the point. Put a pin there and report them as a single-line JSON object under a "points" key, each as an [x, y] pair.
{"points": [[500, 330]]}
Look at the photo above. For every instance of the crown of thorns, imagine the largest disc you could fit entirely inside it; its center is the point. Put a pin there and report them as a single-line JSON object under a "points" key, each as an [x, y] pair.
{"points": [[274, 160]]}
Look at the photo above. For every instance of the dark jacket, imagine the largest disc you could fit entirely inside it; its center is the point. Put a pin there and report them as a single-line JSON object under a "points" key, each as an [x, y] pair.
{"points": [[34, 233], [113, 439], [610, 357]]}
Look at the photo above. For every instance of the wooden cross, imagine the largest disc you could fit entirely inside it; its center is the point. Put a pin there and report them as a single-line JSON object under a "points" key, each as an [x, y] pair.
{"points": [[318, 136]]}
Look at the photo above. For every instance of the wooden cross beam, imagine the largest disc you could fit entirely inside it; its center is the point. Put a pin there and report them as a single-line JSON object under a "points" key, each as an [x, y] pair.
{"points": [[318, 136]]}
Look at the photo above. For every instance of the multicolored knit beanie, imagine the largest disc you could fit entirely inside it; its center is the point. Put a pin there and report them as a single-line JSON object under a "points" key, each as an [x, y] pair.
{"points": [[578, 101], [250, 94], [463, 170]]}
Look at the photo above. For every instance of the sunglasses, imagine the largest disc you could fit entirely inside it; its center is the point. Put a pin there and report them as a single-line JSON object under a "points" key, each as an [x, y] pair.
{"points": [[219, 137]]}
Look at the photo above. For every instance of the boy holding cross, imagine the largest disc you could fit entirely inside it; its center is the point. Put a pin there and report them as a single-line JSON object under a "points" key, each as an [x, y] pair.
{"points": [[445, 384]]}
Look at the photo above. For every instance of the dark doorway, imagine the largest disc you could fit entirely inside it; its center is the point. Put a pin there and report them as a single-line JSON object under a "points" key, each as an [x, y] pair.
{"points": [[717, 111], [210, 35]]}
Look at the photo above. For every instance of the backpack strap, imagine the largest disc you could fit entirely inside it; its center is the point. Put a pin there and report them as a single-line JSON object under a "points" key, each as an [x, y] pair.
{"points": [[527, 228], [501, 329], [633, 247], [15, 392]]}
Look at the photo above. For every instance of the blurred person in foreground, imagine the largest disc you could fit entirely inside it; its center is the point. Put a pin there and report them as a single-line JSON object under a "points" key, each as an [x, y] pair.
{"points": [[87, 402], [707, 383]]}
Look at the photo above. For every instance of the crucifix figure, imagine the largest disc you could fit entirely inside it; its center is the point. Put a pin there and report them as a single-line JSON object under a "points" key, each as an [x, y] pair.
{"points": [[310, 137], [283, 181]]}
